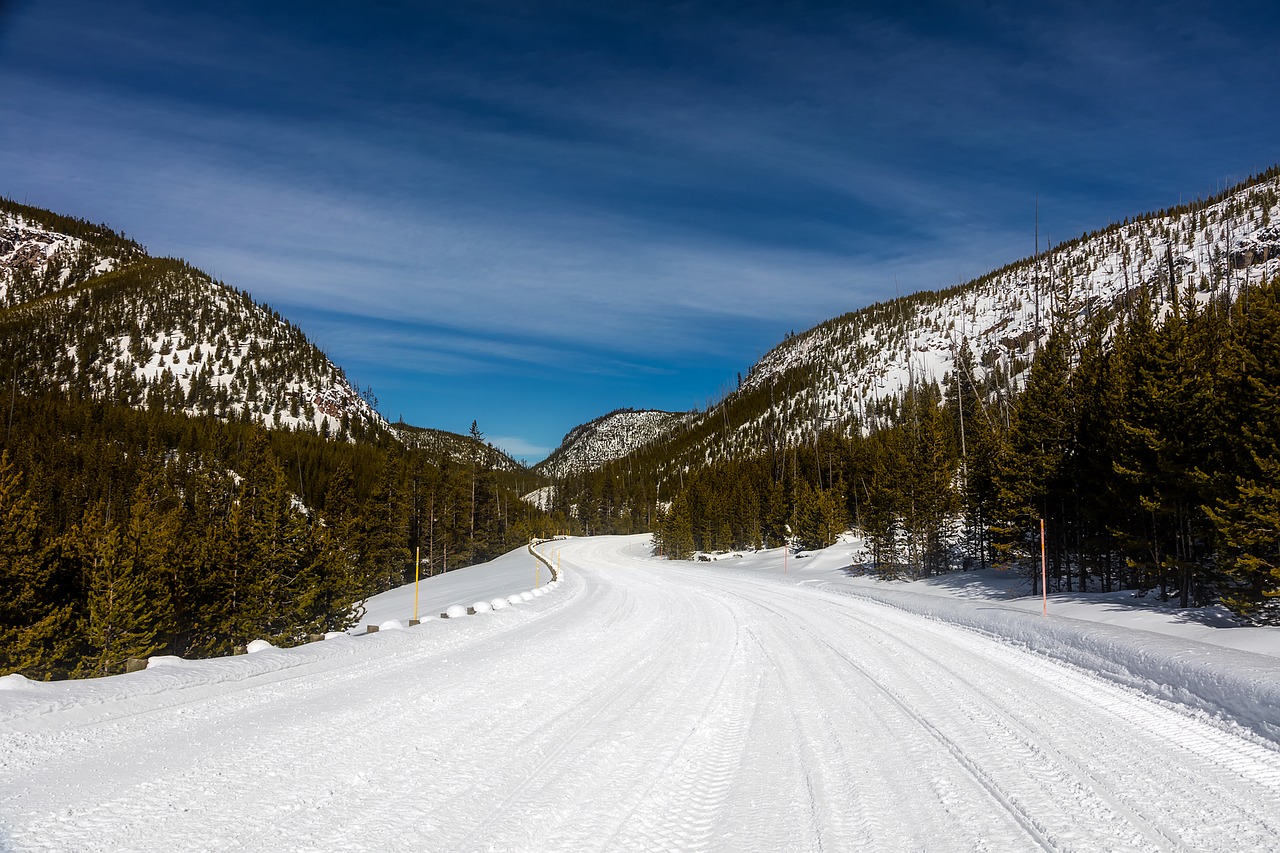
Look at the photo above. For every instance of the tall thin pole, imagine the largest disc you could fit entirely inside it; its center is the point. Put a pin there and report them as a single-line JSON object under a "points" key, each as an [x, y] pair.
{"points": [[417, 572]]}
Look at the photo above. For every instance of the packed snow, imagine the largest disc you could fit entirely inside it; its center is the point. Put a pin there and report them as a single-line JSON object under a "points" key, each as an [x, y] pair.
{"points": [[509, 574], [748, 704]]}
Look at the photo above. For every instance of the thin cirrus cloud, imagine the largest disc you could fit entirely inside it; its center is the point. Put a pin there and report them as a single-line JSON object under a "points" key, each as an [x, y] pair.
{"points": [[534, 213]]}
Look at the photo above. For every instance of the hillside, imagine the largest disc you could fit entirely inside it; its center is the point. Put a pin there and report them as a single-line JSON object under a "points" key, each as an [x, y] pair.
{"points": [[607, 438], [88, 311], [42, 253], [853, 370], [442, 445]]}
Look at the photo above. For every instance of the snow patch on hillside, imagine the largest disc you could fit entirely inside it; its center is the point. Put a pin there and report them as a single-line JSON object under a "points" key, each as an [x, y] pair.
{"points": [[610, 437], [861, 359], [35, 261]]}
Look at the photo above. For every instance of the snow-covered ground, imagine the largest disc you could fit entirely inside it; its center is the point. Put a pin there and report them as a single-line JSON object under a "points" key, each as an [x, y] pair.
{"points": [[841, 566], [517, 571], [652, 705]]}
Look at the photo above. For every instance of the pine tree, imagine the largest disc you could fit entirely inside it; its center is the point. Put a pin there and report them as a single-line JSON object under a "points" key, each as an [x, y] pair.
{"points": [[675, 529], [116, 593], [1030, 470], [37, 631], [929, 500], [1245, 469]]}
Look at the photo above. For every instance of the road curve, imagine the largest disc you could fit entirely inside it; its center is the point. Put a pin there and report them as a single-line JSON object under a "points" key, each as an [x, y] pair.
{"points": [[650, 706]]}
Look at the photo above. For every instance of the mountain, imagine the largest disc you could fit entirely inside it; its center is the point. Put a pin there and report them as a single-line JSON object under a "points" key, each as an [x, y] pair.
{"points": [[454, 447], [88, 311], [851, 372], [606, 438]]}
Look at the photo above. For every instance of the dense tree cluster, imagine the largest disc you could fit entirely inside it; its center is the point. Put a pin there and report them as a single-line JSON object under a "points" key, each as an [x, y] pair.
{"points": [[144, 507], [127, 533], [1149, 448]]}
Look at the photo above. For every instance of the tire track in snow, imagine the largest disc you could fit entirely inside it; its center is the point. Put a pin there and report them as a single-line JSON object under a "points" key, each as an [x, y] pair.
{"points": [[676, 808], [864, 681], [1124, 785], [595, 743], [1141, 802]]}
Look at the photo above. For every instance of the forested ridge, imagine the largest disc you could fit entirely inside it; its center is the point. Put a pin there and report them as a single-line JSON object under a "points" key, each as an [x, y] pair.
{"points": [[183, 471], [127, 533], [1150, 452], [1150, 447]]}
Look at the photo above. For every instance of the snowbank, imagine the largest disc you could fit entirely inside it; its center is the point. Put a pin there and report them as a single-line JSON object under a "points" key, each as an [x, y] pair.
{"points": [[1223, 682], [1199, 658]]}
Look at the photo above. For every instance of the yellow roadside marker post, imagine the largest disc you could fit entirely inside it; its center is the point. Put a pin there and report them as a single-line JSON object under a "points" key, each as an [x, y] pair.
{"points": [[417, 572]]}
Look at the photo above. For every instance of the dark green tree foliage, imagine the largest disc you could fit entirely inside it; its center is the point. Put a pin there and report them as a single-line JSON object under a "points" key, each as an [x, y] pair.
{"points": [[1030, 468], [33, 612], [910, 499], [1243, 473], [740, 504], [1154, 463], [129, 533], [1161, 409]]}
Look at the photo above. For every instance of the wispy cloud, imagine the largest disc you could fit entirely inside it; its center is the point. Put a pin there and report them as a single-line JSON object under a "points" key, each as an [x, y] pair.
{"points": [[631, 204]]}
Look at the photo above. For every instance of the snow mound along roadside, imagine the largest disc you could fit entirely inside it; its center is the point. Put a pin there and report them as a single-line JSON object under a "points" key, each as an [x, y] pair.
{"points": [[1242, 687]]}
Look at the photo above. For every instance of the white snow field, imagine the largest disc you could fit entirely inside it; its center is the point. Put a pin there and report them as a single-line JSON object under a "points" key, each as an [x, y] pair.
{"points": [[514, 572], [648, 705]]}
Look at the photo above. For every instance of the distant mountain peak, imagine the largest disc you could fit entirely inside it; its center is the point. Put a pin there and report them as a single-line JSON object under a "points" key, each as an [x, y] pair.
{"points": [[608, 437]]}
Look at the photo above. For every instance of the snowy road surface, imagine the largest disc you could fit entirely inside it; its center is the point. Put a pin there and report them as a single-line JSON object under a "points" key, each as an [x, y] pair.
{"points": [[640, 706]]}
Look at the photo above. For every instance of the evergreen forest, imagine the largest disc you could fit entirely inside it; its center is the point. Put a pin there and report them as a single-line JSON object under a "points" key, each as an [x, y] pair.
{"points": [[1148, 447], [129, 533]]}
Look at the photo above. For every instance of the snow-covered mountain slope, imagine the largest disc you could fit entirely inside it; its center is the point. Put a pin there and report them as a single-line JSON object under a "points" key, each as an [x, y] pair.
{"points": [[719, 708], [42, 253], [852, 367], [873, 354], [455, 447], [606, 438], [91, 314]]}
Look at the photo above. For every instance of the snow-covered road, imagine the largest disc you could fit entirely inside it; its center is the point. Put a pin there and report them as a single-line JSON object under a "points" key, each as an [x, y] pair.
{"points": [[640, 706]]}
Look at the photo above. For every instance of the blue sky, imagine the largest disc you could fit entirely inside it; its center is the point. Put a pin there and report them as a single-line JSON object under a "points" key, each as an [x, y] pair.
{"points": [[531, 213]]}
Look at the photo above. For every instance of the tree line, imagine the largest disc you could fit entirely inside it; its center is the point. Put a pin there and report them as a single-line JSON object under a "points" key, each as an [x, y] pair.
{"points": [[127, 533], [1147, 445]]}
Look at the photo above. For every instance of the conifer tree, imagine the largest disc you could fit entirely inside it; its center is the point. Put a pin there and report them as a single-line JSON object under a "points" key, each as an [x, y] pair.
{"points": [[1029, 471], [929, 500], [1245, 469], [37, 632], [675, 529]]}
